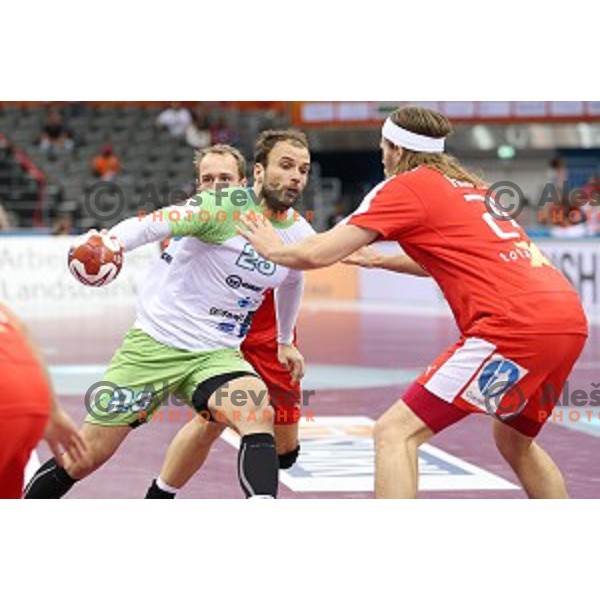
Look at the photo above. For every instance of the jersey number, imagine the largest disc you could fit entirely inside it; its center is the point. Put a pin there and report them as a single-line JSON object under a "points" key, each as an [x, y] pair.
{"points": [[506, 233], [251, 260]]}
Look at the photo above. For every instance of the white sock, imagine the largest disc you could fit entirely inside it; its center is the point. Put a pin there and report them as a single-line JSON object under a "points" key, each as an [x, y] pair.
{"points": [[165, 487]]}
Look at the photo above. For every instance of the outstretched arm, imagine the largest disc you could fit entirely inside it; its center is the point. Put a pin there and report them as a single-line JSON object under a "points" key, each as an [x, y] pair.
{"points": [[135, 232], [203, 216], [398, 263], [314, 252]]}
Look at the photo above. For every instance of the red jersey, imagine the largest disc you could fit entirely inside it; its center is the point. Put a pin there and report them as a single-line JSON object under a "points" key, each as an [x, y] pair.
{"points": [[23, 385], [264, 323], [260, 350], [492, 275]]}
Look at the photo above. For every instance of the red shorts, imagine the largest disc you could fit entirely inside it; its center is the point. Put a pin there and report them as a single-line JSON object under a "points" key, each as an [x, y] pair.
{"points": [[286, 397], [19, 436], [516, 379]]}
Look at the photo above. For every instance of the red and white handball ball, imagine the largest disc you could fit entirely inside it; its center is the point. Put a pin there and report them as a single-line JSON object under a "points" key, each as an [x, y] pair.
{"points": [[95, 259]]}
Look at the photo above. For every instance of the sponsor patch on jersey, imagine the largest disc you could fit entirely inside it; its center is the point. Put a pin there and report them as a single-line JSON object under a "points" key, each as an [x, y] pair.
{"points": [[235, 282]]}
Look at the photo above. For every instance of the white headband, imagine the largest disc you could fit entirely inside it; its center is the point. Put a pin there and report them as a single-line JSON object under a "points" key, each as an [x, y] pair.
{"points": [[409, 140]]}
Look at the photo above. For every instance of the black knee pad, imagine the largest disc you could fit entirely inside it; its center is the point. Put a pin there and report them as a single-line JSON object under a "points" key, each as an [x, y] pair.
{"points": [[288, 460], [207, 388]]}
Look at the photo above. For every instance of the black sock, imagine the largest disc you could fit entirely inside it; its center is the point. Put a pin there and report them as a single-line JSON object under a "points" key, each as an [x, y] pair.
{"points": [[258, 467], [49, 481], [288, 460], [155, 493]]}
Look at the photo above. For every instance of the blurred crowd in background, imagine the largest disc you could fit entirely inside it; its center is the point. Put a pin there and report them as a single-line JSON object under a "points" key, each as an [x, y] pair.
{"points": [[53, 155]]}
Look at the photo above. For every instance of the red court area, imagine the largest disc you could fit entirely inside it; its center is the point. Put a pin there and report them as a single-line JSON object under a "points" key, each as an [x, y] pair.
{"points": [[371, 357]]}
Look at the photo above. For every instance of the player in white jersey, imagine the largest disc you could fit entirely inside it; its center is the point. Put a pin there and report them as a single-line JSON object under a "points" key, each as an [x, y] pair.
{"points": [[223, 165], [188, 330]]}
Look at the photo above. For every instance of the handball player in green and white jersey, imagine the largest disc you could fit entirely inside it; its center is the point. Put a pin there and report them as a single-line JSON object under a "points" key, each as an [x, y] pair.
{"points": [[223, 165], [192, 316]]}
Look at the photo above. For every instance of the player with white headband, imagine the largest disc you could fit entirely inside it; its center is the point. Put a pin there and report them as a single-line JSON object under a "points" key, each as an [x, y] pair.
{"points": [[516, 349], [409, 140]]}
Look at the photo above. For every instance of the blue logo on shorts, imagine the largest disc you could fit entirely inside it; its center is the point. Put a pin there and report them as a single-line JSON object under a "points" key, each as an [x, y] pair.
{"points": [[498, 377]]}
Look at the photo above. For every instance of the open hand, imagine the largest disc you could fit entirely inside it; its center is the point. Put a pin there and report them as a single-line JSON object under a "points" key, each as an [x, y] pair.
{"points": [[63, 436], [260, 233], [290, 357]]}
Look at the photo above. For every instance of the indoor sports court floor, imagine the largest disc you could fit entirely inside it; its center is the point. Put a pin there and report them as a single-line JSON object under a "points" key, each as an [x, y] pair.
{"points": [[360, 359]]}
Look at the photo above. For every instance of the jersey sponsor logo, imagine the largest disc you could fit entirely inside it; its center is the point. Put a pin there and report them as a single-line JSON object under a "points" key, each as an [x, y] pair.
{"points": [[236, 282], [247, 302], [226, 327], [232, 328], [527, 251], [238, 324], [221, 312], [251, 260], [168, 258], [538, 259], [521, 252], [496, 378]]}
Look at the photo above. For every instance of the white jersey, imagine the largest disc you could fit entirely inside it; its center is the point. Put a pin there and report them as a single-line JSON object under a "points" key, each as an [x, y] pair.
{"points": [[203, 291]]}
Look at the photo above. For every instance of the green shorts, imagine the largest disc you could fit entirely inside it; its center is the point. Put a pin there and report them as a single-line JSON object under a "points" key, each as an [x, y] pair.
{"points": [[143, 374]]}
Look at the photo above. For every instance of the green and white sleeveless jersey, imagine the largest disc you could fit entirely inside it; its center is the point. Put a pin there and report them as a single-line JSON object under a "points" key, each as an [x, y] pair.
{"points": [[203, 292]]}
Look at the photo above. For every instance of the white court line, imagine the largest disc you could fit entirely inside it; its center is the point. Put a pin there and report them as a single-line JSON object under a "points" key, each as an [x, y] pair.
{"points": [[338, 456]]}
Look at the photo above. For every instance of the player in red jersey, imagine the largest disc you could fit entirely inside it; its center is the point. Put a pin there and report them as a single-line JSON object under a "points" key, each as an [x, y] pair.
{"points": [[521, 322], [29, 410], [224, 165]]}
